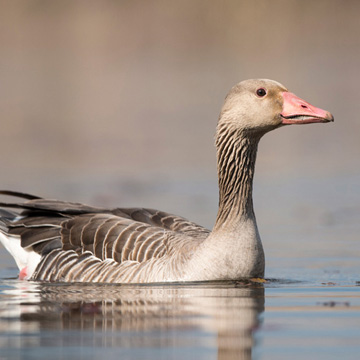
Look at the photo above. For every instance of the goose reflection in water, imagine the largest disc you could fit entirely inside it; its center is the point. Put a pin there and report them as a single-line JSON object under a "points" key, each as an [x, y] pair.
{"points": [[202, 321]]}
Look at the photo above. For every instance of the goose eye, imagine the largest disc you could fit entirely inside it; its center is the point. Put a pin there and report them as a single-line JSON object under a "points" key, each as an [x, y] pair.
{"points": [[261, 92]]}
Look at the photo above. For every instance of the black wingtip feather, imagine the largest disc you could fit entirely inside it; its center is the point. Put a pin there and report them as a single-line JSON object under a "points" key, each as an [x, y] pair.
{"points": [[19, 194]]}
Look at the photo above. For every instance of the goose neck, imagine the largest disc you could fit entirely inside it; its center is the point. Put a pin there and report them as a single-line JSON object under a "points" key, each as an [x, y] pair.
{"points": [[236, 154]]}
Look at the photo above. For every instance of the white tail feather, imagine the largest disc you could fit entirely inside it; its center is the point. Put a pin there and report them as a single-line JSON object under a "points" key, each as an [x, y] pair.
{"points": [[26, 259]]}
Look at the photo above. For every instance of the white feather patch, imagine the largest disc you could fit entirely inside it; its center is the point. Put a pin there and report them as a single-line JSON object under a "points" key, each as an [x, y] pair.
{"points": [[26, 259]]}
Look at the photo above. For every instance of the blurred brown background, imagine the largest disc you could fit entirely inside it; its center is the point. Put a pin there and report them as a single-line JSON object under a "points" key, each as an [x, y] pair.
{"points": [[116, 102]]}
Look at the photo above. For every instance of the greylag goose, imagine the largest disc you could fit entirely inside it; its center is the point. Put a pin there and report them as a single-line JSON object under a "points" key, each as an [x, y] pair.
{"points": [[69, 242]]}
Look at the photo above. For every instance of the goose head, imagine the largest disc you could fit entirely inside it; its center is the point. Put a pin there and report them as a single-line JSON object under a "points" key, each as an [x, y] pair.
{"points": [[257, 106]]}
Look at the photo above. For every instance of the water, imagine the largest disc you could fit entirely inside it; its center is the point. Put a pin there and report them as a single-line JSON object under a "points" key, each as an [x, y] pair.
{"points": [[223, 320], [319, 322], [81, 321]]}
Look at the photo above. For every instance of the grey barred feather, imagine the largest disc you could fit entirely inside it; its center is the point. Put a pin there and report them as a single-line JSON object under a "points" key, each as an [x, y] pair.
{"points": [[78, 243]]}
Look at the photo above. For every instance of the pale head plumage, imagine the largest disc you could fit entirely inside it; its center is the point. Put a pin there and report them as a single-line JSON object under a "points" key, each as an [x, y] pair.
{"points": [[247, 109]]}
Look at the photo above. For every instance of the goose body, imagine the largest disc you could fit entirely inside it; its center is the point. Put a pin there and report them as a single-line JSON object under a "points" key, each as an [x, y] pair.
{"points": [[60, 241]]}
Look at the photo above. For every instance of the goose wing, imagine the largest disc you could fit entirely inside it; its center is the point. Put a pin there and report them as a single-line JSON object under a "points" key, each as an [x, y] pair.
{"points": [[136, 234]]}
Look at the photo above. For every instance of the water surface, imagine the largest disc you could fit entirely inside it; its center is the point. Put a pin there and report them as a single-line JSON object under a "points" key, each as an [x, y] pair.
{"points": [[216, 320]]}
